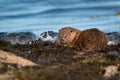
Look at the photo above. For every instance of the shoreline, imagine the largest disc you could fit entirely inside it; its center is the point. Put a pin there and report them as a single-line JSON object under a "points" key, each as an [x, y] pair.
{"points": [[28, 37], [57, 61]]}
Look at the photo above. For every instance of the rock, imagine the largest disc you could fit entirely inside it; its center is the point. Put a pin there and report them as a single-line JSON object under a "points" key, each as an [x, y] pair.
{"points": [[20, 38], [91, 40], [11, 58], [68, 36], [7, 77], [113, 38], [2, 34], [49, 36], [110, 71]]}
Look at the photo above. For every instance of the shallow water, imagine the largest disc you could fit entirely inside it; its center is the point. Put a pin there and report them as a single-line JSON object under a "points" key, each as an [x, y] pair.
{"points": [[43, 15]]}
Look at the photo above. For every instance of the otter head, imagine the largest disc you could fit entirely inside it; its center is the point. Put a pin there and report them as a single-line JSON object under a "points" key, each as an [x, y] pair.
{"points": [[67, 35]]}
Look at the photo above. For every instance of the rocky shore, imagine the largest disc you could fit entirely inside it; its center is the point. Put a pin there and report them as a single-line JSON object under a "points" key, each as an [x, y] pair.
{"points": [[29, 56], [56, 62], [26, 37]]}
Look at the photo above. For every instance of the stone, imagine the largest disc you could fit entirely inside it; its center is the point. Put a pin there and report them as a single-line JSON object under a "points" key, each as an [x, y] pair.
{"points": [[110, 71]]}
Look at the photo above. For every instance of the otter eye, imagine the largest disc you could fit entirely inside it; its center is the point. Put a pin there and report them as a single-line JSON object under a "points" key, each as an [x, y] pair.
{"points": [[70, 30]]}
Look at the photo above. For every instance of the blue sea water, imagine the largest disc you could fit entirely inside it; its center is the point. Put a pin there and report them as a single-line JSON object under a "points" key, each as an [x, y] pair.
{"points": [[43, 15]]}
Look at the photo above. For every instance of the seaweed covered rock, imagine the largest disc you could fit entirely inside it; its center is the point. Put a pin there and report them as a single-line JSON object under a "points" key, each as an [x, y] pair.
{"points": [[91, 40], [68, 36]]}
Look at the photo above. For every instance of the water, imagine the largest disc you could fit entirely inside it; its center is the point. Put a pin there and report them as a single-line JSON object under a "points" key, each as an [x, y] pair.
{"points": [[43, 15]]}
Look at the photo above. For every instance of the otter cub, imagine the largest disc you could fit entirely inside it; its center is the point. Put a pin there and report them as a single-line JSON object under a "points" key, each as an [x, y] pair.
{"points": [[68, 36], [92, 40]]}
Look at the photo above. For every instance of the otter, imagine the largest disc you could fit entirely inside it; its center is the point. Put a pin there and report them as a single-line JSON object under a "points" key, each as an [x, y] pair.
{"points": [[68, 36], [89, 40], [92, 40]]}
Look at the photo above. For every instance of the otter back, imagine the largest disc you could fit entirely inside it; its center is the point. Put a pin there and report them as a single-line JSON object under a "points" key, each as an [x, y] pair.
{"points": [[92, 40]]}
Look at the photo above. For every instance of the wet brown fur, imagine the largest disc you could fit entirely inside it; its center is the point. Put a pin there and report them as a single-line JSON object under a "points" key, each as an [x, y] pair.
{"points": [[91, 40], [68, 36]]}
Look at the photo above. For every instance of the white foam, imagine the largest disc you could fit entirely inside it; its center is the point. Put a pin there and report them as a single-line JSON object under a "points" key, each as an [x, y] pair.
{"points": [[112, 43], [114, 38], [48, 37]]}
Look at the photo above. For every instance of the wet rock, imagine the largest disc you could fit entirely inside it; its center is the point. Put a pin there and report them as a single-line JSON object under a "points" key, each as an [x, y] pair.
{"points": [[20, 38], [114, 52], [113, 38], [49, 36], [2, 34]]}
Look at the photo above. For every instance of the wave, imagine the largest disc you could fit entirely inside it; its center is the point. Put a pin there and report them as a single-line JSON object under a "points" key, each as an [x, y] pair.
{"points": [[18, 15]]}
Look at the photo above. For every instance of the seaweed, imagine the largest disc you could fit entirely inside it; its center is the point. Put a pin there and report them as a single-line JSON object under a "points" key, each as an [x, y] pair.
{"points": [[59, 62]]}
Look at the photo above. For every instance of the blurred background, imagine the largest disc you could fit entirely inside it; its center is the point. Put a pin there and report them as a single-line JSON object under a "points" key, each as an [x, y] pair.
{"points": [[46, 15]]}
